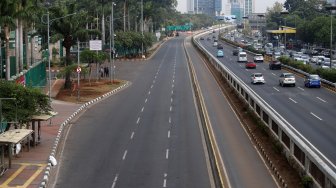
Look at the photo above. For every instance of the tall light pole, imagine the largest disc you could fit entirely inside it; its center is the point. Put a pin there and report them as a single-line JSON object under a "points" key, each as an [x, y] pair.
{"points": [[49, 21], [331, 8], [142, 28], [285, 13], [112, 51], [259, 17]]}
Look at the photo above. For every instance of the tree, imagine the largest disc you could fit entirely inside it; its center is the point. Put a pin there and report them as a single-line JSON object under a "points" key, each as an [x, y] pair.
{"points": [[69, 29], [29, 102], [7, 21]]}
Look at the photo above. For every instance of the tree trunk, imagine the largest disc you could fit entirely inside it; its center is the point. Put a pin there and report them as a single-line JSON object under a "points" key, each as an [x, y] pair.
{"points": [[17, 47], [6, 29], [125, 7], [67, 45]]}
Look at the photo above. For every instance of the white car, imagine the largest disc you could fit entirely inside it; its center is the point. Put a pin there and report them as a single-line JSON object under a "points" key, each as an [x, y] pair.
{"points": [[258, 58], [257, 78], [305, 59], [287, 79], [215, 44]]}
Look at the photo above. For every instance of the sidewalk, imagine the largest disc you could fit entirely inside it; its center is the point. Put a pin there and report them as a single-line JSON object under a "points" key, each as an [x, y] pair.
{"points": [[28, 166]]}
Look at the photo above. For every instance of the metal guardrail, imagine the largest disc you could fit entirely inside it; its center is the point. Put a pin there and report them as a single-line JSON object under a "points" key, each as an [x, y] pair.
{"points": [[299, 151]]}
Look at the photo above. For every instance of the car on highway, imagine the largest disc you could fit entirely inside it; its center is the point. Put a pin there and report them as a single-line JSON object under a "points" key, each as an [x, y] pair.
{"points": [[305, 59], [275, 64], [202, 38], [242, 57], [219, 46], [257, 78], [258, 58], [276, 54], [235, 52], [208, 38], [215, 44], [220, 53], [287, 79], [250, 65], [312, 80]]}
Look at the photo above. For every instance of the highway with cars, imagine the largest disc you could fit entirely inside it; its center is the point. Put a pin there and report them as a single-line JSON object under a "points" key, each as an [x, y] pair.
{"points": [[147, 135], [311, 111]]}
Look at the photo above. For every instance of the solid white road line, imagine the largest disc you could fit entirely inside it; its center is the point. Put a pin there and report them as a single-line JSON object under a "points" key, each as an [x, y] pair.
{"points": [[124, 156], [115, 180], [167, 153], [276, 89], [292, 100], [316, 116], [321, 99]]}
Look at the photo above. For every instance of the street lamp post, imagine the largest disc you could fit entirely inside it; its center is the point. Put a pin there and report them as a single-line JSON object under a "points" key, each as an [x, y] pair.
{"points": [[331, 8], [142, 28], [259, 17], [49, 21], [285, 45], [112, 51]]}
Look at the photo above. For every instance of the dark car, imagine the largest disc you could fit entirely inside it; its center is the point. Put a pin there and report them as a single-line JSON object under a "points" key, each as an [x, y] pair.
{"points": [[274, 65], [219, 46], [235, 52], [202, 38]]}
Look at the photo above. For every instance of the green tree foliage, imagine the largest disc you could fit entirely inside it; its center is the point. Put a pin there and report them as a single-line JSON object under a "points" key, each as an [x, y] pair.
{"points": [[29, 102]]}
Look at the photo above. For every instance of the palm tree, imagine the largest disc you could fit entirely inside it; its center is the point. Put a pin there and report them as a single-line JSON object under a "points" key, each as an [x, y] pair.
{"points": [[68, 29], [7, 21]]}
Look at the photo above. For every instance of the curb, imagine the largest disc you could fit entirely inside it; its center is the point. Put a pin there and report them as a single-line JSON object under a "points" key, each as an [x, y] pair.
{"points": [[52, 155]]}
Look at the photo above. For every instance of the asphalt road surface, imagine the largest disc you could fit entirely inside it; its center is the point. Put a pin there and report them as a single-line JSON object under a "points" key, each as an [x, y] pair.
{"points": [[311, 111], [244, 166], [147, 135]]}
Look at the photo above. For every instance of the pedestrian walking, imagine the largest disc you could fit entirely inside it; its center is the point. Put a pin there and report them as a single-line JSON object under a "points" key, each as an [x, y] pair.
{"points": [[107, 71]]}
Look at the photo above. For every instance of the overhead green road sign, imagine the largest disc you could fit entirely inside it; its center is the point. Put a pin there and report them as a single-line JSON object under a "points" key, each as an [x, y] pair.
{"points": [[178, 27]]}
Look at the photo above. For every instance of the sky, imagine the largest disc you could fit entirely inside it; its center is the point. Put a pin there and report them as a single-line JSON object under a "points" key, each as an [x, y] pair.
{"points": [[260, 6]]}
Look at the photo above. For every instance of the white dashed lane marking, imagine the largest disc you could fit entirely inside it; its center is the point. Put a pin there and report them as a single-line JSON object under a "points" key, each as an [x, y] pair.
{"points": [[115, 181], [167, 153], [292, 100], [321, 99], [138, 120], [132, 135], [276, 89], [124, 156], [142, 109], [316, 116], [168, 134]]}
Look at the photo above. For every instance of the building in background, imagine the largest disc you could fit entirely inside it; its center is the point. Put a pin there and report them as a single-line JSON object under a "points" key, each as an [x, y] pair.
{"points": [[237, 10], [248, 7], [218, 7], [190, 6]]}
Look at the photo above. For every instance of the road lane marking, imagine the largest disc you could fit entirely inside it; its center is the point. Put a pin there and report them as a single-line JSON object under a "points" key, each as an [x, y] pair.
{"points": [[146, 100], [276, 89], [169, 119], [173, 80], [132, 135], [321, 99], [172, 92], [142, 109], [22, 167], [124, 156], [153, 81], [171, 100], [167, 153], [171, 108], [138, 120], [316, 116], [172, 85], [152, 86], [115, 181], [300, 88], [164, 183], [168, 134], [292, 100], [149, 92], [274, 74]]}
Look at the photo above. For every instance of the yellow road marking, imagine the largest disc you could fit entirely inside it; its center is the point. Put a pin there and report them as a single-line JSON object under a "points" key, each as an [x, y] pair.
{"points": [[17, 172], [28, 182]]}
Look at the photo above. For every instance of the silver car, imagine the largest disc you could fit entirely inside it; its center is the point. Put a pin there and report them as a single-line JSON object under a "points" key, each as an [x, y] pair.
{"points": [[257, 78], [287, 79]]}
